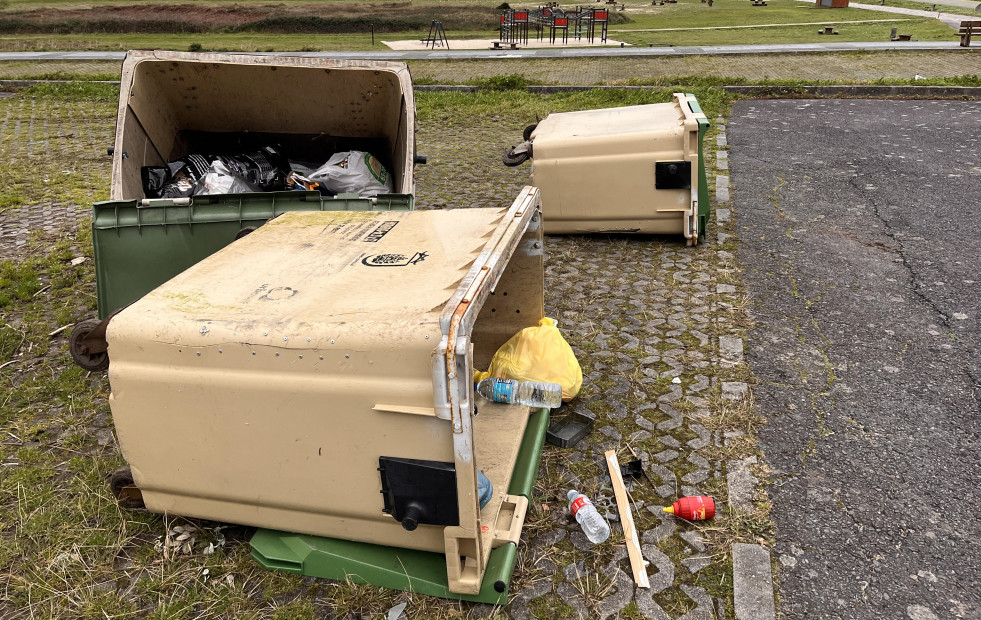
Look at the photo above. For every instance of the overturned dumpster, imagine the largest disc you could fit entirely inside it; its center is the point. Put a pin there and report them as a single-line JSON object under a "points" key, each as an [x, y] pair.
{"points": [[210, 146], [633, 169], [324, 363]]}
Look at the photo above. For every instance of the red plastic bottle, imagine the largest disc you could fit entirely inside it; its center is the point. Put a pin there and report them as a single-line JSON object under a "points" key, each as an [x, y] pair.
{"points": [[694, 508]]}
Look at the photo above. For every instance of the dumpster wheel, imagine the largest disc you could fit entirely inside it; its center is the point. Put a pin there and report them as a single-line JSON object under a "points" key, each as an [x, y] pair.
{"points": [[124, 489], [93, 362], [526, 134], [515, 159]]}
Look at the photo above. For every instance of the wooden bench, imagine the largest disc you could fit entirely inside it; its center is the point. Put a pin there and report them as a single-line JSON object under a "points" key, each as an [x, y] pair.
{"points": [[967, 29], [500, 45], [828, 30]]}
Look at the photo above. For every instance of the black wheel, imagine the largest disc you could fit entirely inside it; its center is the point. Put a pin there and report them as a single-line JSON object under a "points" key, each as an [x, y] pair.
{"points": [[514, 159], [90, 361], [124, 489], [245, 231], [526, 134]]}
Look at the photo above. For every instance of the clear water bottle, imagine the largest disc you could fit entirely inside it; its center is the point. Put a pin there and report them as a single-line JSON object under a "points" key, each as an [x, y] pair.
{"points": [[593, 524], [536, 394]]}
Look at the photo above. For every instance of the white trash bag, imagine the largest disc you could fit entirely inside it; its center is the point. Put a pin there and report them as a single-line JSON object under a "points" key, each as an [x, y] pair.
{"points": [[354, 172], [220, 180]]}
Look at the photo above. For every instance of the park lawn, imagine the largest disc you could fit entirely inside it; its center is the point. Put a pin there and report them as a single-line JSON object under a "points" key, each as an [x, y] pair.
{"points": [[921, 29], [694, 13], [927, 6]]}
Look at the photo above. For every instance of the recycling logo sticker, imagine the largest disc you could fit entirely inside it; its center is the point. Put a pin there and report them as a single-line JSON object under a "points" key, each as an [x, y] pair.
{"points": [[393, 260]]}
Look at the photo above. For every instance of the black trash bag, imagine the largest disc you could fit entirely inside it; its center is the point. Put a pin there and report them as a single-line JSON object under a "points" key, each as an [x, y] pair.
{"points": [[264, 170]]}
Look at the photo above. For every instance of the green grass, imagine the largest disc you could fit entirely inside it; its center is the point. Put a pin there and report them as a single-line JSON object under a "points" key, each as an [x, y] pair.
{"points": [[731, 19]]}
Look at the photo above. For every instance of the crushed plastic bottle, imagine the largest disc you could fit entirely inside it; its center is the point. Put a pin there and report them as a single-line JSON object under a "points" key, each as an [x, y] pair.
{"points": [[485, 489], [536, 394], [593, 524]]}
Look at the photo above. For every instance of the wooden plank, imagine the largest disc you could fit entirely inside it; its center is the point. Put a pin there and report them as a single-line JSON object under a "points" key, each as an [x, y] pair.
{"points": [[627, 519]]}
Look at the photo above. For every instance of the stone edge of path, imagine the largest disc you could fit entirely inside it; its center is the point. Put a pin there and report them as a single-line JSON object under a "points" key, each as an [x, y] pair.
{"points": [[752, 573]]}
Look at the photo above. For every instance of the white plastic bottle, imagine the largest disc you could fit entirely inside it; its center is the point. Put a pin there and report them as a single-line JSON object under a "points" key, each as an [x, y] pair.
{"points": [[531, 393], [593, 524]]}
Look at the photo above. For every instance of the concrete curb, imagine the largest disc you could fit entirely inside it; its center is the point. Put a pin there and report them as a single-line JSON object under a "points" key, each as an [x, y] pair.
{"points": [[868, 91], [753, 592]]}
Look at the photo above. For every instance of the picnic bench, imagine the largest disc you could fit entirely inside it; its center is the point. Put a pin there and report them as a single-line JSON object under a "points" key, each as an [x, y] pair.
{"points": [[500, 45], [828, 30], [968, 27]]}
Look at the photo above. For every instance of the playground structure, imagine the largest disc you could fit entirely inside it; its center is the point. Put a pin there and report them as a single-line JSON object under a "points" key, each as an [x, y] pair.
{"points": [[555, 23], [437, 36]]}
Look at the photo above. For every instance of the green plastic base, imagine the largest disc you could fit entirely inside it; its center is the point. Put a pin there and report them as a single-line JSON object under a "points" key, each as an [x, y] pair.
{"points": [[403, 569]]}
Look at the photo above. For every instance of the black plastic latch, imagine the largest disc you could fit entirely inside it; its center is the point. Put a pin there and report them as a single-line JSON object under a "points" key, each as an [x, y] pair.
{"points": [[672, 175], [419, 492]]}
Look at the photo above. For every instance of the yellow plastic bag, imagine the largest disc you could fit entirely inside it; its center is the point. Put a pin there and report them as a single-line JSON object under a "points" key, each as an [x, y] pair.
{"points": [[538, 354]]}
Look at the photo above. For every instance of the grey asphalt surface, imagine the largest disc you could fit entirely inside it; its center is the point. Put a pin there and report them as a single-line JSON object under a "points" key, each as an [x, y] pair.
{"points": [[859, 227]]}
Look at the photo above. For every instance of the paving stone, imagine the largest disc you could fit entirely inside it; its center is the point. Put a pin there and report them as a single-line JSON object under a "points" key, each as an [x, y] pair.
{"points": [[752, 582], [731, 350], [704, 607], [734, 390], [694, 539], [725, 289], [742, 483], [696, 563]]}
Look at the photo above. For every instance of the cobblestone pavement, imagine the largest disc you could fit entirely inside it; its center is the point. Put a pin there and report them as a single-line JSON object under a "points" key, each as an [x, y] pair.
{"points": [[64, 143], [647, 318]]}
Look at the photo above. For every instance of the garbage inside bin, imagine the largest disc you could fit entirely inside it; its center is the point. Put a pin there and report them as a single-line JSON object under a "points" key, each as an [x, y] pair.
{"points": [[634, 169], [263, 170], [354, 172], [324, 348]]}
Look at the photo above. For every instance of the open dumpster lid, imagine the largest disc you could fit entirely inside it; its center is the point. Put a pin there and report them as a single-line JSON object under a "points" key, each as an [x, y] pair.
{"points": [[172, 103]]}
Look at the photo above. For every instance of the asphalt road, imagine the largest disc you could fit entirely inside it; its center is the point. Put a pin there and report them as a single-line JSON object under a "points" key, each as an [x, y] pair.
{"points": [[860, 228]]}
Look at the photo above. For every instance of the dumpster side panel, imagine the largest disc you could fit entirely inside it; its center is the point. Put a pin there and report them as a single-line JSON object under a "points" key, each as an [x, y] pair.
{"points": [[596, 169], [137, 248], [261, 385]]}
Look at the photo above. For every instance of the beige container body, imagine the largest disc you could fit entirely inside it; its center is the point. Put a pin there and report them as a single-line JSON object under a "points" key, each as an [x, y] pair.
{"points": [[175, 103], [262, 385], [595, 169]]}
